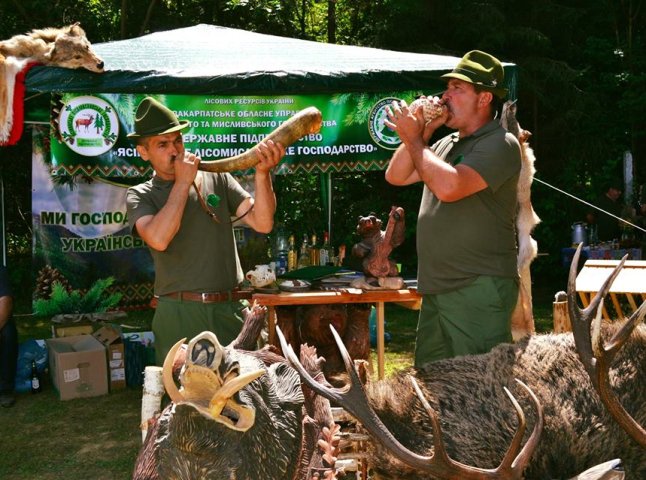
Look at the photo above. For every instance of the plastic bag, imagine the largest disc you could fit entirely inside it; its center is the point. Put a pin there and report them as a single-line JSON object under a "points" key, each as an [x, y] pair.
{"points": [[28, 351]]}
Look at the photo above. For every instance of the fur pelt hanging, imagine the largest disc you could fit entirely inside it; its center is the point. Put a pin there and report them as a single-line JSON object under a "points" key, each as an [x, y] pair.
{"points": [[12, 72], [63, 47], [522, 321]]}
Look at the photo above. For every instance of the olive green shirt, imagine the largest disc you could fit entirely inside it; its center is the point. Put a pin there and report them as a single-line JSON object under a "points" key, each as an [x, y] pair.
{"points": [[202, 257], [459, 241]]}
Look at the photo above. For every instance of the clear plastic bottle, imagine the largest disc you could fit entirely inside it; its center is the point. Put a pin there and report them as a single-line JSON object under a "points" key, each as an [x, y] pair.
{"points": [[281, 250]]}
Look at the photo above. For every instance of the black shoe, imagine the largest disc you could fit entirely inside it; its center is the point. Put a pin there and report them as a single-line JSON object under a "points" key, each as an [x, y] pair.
{"points": [[7, 400]]}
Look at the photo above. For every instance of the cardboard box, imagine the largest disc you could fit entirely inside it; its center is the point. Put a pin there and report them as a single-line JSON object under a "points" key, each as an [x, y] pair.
{"points": [[71, 329], [77, 366], [110, 337]]}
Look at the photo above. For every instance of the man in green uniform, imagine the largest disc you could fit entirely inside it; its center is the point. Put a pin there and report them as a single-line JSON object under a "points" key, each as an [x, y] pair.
{"points": [[466, 240], [197, 269]]}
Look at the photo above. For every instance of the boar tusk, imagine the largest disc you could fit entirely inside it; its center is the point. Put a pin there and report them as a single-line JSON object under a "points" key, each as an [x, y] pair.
{"points": [[305, 122], [230, 388], [167, 375], [222, 399]]}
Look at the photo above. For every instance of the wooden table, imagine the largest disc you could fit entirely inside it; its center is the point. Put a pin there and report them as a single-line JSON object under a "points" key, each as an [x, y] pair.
{"points": [[630, 283], [408, 298]]}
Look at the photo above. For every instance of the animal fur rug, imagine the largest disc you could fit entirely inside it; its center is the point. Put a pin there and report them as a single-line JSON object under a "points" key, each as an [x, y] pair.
{"points": [[66, 47]]}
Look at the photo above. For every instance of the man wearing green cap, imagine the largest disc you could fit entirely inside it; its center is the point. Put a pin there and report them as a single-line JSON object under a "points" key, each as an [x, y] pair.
{"points": [[466, 241], [183, 215]]}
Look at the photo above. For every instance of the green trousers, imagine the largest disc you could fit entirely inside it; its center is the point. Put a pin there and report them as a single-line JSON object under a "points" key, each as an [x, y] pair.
{"points": [[177, 319], [470, 320]]}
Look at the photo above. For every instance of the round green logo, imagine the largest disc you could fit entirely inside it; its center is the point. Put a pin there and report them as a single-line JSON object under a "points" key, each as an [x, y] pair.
{"points": [[88, 125], [380, 133]]}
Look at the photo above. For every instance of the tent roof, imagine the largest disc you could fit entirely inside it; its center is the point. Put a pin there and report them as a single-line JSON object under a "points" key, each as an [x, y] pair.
{"points": [[207, 59]]}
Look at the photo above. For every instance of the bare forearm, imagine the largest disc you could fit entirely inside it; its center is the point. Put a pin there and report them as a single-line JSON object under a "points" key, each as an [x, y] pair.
{"points": [[447, 182], [401, 169], [160, 229], [436, 174], [262, 216]]}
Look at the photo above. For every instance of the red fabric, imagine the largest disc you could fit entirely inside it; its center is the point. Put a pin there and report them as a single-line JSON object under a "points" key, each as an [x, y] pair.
{"points": [[18, 106]]}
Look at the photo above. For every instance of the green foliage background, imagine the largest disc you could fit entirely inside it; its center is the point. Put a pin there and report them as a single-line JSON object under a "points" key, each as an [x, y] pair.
{"points": [[581, 90]]}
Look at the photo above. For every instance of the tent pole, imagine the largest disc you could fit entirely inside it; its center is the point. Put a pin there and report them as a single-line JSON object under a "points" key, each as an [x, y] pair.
{"points": [[4, 233], [329, 207]]}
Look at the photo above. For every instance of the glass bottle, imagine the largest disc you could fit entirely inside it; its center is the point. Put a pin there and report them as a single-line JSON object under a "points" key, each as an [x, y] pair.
{"points": [[314, 251], [304, 254], [35, 380], [292, 255], [324, 251]]}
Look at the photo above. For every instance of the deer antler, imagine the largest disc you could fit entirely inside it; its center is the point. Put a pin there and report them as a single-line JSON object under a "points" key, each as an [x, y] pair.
{"points": [[597, 357], [353, 399]]}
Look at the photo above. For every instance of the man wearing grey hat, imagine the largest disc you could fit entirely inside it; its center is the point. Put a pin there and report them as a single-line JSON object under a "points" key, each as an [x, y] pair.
{"points": [[183, 215], [466, 240]]}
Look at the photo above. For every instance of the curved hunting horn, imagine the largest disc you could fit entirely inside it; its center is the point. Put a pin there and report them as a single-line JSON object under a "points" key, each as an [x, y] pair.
{"points": [[305, 122]]}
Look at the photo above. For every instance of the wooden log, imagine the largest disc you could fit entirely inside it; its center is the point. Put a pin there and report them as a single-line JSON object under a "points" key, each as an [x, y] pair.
{"points": [[561, 316], [152, 397]]}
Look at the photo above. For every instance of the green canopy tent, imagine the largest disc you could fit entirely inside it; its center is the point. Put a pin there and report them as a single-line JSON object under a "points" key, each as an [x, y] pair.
{"points": [[207, 59], [234, 87]]}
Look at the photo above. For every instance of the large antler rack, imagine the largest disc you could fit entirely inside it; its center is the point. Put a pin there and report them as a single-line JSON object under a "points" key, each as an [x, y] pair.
{"points": [[353, 399], [597, 357]]}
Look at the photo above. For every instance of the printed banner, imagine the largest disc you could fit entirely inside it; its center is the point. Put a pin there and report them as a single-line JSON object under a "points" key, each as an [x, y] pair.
{"points": [[80, 229], [81, 175], [89, 134]]}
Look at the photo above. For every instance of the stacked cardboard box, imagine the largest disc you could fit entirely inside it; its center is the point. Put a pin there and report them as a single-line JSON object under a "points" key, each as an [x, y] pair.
{"points": [[110, 337]]}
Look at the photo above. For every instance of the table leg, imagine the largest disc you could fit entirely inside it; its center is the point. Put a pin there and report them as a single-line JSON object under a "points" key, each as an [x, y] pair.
{"points": [[271, 325], [380, 340]]}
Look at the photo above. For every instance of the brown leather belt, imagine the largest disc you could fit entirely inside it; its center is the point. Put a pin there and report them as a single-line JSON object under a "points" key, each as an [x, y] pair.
{"points": [[210, 297]]}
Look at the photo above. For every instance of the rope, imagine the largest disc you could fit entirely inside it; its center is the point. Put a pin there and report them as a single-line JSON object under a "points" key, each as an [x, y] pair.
{"points": [[590, 205]]}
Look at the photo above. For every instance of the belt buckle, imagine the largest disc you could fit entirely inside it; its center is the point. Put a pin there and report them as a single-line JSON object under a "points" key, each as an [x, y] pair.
{"points": [[205, 297]]}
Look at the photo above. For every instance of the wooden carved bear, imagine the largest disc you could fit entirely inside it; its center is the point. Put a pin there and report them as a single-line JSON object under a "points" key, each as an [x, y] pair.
{"points": [[375, 245]]}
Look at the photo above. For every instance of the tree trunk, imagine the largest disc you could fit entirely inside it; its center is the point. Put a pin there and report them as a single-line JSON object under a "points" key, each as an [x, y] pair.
{"points": [[331, 21]]}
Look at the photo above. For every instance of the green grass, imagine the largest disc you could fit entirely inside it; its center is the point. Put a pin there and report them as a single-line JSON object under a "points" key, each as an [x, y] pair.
{"points": [[95, 438], [90, 438], [99, 438]]}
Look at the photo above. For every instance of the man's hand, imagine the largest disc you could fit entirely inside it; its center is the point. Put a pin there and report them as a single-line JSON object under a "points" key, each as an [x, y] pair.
{"points": [[186, 168], [412, 126], [408, 126], [270, 154]]}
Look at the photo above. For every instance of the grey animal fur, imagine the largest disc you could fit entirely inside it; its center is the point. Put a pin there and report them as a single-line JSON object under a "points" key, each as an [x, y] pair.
{"points": [[478, 420]]}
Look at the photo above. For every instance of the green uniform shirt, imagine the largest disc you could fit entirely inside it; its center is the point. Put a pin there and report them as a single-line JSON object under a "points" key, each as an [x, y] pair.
{"points": [[203, 256], [459, 241]]}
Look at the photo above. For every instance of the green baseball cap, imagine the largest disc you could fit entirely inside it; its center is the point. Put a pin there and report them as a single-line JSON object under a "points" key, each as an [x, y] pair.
{"points": [[482, 69], [153, 118]]}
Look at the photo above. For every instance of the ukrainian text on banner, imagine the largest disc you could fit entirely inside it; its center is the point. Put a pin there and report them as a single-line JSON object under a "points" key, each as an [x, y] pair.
{"points": [[80, 229], [89, 134]]}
